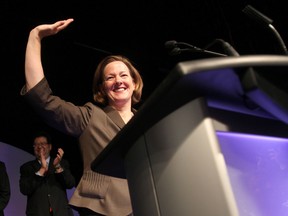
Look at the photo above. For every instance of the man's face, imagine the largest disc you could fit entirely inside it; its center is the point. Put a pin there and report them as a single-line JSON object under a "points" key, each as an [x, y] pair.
{"points": [[41, 147]]}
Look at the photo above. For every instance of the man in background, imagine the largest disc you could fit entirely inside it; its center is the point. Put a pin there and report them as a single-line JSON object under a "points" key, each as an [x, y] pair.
{"points": [[44, 180]]}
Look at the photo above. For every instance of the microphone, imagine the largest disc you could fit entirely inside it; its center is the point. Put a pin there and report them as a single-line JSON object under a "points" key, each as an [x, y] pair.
{"points": [[266, 22], [175, 48], [172, 44], [258, 16]]}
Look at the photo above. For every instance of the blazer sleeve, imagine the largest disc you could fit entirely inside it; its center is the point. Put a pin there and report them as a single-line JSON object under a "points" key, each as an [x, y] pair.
{"points": [[29, 181], [4, 187], [58, 113]]}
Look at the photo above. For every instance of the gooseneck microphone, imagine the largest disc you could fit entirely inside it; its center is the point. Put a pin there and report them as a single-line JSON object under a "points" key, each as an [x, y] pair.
{"points": [[266, 22], [176, 48]]}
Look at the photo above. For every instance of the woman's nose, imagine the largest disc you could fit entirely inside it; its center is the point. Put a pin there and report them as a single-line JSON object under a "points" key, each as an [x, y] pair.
{"points": [[118, 79]]}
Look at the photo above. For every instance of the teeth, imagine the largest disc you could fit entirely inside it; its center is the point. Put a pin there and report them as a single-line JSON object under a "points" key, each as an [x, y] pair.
{"points": [[120, 89]]}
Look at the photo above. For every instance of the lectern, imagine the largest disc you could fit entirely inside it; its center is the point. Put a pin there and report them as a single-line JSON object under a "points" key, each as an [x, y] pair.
{"points": [[171, 151]]}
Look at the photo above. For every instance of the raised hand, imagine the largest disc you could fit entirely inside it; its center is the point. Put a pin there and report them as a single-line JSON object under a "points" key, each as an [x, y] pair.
{"points": [[58, 158], [45, 30], [44, 165], [33, 65]]}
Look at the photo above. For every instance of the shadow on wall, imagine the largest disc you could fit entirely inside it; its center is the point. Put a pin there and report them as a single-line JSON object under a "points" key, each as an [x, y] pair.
{"points": [[13, 158]]}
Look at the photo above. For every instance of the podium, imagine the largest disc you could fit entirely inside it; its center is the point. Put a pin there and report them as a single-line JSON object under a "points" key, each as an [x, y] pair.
{"points": [[170, 151]]}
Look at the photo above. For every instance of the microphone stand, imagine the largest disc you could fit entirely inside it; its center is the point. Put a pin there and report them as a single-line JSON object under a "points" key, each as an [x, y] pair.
{"points": [[197, 49], [177, 50], [279, 38], [211, 52]]}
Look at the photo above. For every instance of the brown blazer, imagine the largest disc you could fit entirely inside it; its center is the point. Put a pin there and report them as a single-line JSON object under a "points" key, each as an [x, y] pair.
{"points": [[95, 128]]}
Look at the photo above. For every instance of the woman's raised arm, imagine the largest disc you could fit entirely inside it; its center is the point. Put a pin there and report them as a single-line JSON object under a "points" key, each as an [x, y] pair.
{"points": [[33, 66]]}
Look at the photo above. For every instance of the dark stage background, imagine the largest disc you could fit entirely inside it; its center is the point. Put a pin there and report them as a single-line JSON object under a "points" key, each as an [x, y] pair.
{"points": [[137, 29]]}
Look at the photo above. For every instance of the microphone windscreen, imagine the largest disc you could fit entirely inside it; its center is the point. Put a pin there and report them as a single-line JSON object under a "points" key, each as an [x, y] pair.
{"points": [[257, 16], [170, 44]]}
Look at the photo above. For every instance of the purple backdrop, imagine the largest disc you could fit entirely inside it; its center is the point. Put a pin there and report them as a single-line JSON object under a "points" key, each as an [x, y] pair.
{"points": [[14, 158]]}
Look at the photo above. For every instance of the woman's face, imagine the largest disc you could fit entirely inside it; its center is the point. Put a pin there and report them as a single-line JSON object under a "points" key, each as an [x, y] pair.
{"points": [[118, 84]]}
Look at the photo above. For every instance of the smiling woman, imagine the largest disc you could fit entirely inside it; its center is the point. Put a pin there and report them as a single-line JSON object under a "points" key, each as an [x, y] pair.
{"points": [[117, 86], [154, 23], [126, 71]]}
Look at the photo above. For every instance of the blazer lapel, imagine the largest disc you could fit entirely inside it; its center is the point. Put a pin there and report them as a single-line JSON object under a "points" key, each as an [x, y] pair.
{"points": [[36, 165], [115, 116]]}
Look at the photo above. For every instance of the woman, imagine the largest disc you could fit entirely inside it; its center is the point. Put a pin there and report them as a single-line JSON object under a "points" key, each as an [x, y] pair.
{"points": [[117, 85]]}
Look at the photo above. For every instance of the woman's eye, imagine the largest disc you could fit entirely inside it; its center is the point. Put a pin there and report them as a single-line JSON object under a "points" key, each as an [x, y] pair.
{"points": [[109, 78]]}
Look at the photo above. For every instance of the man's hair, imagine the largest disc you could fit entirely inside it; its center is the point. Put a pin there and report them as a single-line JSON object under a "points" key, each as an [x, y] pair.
{"points": [[43, 134]]}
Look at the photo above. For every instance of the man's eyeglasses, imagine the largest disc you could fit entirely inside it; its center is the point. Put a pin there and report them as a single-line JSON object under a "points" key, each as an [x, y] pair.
{"points": [[37, 145]]}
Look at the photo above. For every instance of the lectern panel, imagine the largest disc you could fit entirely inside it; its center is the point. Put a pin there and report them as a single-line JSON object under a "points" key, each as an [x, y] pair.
{"points": [[258, 170], [187, 173]]}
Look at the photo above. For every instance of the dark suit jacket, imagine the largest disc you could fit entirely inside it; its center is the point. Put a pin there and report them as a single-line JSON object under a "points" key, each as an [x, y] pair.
{"points": [[48, 191], [4, 188]]}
